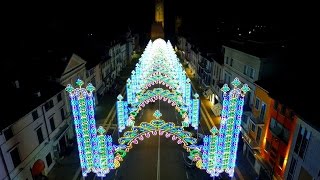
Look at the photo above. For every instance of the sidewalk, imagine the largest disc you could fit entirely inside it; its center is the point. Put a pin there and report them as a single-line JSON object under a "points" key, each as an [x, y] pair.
{"points": [[69, 167]]}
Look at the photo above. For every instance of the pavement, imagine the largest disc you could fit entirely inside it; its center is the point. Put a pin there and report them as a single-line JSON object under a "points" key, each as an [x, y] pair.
{"points": [[68, 168]]}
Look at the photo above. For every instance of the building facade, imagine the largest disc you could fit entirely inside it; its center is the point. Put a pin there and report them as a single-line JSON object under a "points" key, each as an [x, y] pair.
{"points": [[37, 136], [304, 157], [254, 128]]}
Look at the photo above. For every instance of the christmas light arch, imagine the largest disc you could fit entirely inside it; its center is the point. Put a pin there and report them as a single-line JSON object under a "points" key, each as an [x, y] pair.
{"points": [[155, 127], [98, 154]]}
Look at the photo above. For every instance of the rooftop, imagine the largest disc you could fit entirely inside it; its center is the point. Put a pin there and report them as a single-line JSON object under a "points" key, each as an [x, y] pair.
{"points": [[255, 48], [286, 90], [25, 98]]}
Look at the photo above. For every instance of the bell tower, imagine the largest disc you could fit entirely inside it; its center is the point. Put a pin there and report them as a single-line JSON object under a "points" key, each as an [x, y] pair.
{"points": [[157, 30], [159, 12]]}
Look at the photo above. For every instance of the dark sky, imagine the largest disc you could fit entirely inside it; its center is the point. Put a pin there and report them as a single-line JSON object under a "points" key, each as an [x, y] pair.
{"points": [[43, 22]]}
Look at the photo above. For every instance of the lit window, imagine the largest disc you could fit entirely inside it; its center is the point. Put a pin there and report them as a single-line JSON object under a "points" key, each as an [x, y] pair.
{"points": [[257, 105]]}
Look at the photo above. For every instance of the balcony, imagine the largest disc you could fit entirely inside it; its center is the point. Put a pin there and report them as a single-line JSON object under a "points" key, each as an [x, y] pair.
{"points": [[250, 141], [256, 120], [280, 133]]}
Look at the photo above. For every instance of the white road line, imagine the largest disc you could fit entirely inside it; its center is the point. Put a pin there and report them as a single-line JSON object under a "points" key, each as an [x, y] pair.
{"points": [[187, 175], [158, 165]]}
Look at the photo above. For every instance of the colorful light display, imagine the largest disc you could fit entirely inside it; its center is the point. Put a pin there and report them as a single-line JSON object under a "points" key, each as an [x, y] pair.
{"points": [[121, 113], [157, 65], [195, 112], [90, 145], [157, 127], [230, 126]]}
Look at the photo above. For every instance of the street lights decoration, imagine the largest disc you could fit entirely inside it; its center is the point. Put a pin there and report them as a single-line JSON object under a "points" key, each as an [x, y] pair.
{"points": [[230, 126], [89, 143]]}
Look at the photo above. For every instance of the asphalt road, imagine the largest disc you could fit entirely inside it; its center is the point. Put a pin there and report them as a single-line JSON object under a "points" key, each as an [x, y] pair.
{"points": [[157, 158]]}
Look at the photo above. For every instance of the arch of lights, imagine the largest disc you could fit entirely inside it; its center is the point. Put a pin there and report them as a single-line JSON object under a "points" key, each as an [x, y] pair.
{"points": [[150, 96], [98, 154]]}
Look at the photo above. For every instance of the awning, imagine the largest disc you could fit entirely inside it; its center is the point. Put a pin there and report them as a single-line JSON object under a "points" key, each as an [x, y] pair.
{"points": [[37, 167]]}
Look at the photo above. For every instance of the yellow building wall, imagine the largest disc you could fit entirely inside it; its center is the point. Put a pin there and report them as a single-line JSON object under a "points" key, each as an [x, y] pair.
{"points": [[264, 97]]}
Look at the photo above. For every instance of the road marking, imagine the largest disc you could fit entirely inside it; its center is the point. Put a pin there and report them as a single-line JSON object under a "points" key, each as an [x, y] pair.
{"points": [[187, 175], [158, 168], [112, 110]]}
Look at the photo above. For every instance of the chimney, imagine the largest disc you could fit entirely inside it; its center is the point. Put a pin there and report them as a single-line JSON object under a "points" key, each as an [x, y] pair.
{"points": [[37, 94], [16, 84]]}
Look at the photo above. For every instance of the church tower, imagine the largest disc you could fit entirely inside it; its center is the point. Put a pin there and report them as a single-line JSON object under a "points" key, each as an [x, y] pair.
{"points": [[159, 12], [158, 25]]}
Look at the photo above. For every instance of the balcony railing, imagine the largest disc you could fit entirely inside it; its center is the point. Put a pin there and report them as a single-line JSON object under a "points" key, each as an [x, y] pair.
{"points": [[256, 120], [279, 132]]}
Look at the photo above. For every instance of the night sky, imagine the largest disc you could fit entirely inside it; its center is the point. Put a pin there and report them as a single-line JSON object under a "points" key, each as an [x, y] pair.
{"points": [[41, 26]]}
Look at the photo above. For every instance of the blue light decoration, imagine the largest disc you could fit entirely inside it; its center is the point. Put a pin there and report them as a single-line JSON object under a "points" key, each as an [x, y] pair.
{"points": [[195, 111], [92, 147], [83, 113], [230, 126], [129, 91], [121, 113], [188, 92], [209, 154]]}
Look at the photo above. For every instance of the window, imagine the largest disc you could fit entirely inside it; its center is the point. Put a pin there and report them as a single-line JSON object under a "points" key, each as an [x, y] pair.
{"points": [[35, 115], [49, 159], [48, 105], [253, 127], [275, 105], [292, 169], [59, 97], [244, 119], [258, 135], [251, 73], [304, 144], [62, 114], [231, 62], [298, 141], [40, 135], [52, 125], [227, 60], [257, 105], [245, 70], [8, 133], [263, 111], [268, 146], [15, 157]]}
